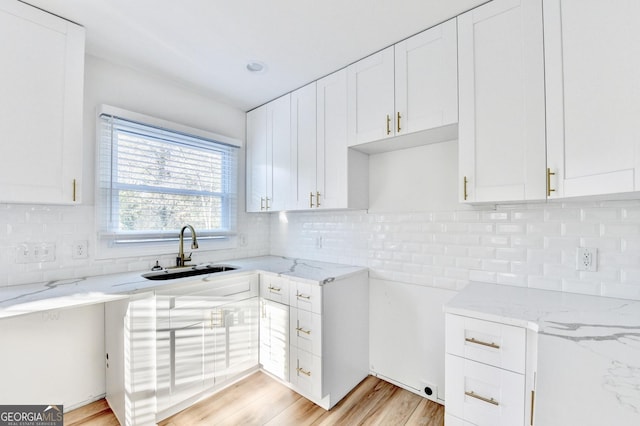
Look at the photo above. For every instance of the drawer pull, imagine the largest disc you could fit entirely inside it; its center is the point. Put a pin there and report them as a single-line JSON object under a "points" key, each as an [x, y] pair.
{"points": [[480, 342], [303, 371], [302, 330], [482, 398], [302, 296], [274, 289]]}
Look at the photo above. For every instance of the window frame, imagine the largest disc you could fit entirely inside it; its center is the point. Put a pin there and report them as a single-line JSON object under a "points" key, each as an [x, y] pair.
{"points": [[161, 242]]}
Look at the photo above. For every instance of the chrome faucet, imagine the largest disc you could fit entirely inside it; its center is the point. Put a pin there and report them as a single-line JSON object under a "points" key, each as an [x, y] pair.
{"points": [[181, 259]]}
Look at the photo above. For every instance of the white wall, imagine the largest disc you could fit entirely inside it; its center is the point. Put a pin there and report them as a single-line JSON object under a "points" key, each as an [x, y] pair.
{"points": [[57, 357]]}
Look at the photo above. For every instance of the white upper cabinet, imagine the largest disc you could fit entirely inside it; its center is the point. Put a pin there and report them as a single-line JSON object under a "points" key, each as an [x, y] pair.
{"points": [[592, 59], [342, 179], [325, 173], [269, 156], [40, 106], [303, 147], [426, 84], [404, 89], [371, 98], [502, 104]]}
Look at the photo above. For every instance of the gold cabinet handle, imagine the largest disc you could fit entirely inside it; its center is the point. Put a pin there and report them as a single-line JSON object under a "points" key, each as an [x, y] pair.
{"points": [[533, 398], [481, 343], [388, 124], [399, 117], [311, 200], [302, 330], [466, 195], [303, 371], [261, 203], [549, 174], [317, 199], [303, 296], [74, 190], [274, 289], [482, 398], [267, 199]]}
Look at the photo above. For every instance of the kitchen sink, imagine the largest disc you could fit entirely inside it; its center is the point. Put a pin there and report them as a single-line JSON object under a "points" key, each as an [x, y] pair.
{"points": [[187, 271]]}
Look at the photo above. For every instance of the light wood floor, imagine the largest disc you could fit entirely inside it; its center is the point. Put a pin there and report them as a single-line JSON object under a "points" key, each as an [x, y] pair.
{"points": [[261, 400]]}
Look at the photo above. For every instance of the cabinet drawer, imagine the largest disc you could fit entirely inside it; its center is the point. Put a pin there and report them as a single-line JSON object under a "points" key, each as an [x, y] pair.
{"points": [[306, 296], [450, 420], [306, 372], [306, 331], [274, 288], [483, 395], [488, 342]]}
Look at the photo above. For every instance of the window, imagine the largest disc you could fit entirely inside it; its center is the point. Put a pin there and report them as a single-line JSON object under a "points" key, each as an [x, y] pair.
{"points": [[154, 177]]}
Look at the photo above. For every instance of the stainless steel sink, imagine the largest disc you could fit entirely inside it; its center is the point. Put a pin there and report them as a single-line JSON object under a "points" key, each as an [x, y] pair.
{"points": [[187, 271]]}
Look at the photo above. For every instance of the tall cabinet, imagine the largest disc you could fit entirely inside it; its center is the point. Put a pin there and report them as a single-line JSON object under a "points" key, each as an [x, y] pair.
{"points": [[41, 95], [592, 60], [502, 103], [268, 156]]}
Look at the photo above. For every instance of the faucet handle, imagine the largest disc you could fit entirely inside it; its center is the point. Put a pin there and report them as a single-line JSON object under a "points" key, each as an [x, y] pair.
{"points": [[188, 258]]}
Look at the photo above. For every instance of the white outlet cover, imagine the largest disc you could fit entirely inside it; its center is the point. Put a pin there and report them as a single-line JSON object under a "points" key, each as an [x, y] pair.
{"points": [[587, 259]]}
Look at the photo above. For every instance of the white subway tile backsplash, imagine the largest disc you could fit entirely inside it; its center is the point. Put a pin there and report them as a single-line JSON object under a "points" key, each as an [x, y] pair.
{"points": [[525, 245]]}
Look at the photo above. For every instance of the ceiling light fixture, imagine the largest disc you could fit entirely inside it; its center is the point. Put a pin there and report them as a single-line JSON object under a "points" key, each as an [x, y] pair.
{"points": [[256, 67]]}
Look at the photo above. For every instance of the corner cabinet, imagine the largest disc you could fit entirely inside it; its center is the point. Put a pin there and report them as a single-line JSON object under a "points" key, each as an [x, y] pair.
{"points": [[40, 106], [326, 174], [327, 344], [404, 89], [268, 156], [488, 374], [592, 60], [502, 102]]}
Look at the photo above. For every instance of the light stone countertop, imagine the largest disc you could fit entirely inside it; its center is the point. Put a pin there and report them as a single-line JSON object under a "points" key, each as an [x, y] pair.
{"points": [[588, 357], [25, 299]]}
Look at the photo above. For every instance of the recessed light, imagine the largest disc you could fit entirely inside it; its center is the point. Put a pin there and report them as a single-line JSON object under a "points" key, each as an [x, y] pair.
{"points": [[256, 67]]}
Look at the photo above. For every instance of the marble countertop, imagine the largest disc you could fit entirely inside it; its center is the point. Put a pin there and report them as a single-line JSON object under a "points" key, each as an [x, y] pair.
{"points": [[588, 349], [25, 299]]}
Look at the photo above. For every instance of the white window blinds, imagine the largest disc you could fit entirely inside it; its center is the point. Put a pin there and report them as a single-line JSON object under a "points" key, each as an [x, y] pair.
{"points": [[153, 180]]}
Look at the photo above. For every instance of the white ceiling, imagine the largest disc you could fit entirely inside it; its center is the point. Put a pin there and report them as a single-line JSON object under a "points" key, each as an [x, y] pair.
{"points": [[206, 44]]}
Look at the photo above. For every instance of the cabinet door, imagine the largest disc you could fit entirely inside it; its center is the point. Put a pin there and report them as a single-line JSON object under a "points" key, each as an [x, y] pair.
{"points": [[278, 153], [257, 167], [274, 338], [371, 98], [426, 83], [40, 106], [235, 330], [303, 147], [332, 152], [592, 60], [501, 95]]}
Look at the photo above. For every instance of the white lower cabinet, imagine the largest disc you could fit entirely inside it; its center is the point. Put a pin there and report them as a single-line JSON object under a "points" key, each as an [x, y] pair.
{"points": [[488, 373], [166, 349], [274, 338], [326, 336]]}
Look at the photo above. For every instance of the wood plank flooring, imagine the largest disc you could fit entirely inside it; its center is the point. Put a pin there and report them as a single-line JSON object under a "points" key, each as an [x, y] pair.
{"points": [[261, 400]]}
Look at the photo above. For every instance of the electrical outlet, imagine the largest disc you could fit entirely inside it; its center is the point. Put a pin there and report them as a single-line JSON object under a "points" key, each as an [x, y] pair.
{"points": [[318, 243], [586, 259], [79, 250], [44, 252], [35, 252]]}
